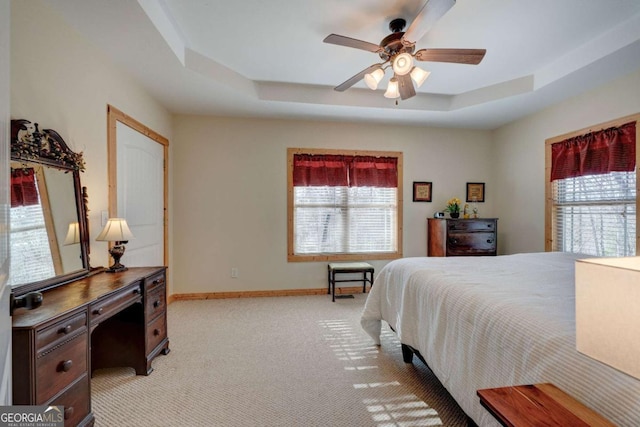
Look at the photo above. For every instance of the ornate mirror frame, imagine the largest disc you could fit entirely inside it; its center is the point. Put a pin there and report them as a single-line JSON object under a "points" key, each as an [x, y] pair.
{"points": [[47, 148]]}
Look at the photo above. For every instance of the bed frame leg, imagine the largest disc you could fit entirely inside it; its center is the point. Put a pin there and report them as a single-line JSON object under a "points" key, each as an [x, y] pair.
{"points": [[407, 354]]}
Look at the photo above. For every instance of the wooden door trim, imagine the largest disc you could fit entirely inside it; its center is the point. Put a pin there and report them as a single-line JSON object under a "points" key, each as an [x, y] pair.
{"points": [[113, 117]]}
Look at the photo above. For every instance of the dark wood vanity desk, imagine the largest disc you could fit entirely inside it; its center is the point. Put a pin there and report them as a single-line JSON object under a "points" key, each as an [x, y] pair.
{"points": [[99, 321]]}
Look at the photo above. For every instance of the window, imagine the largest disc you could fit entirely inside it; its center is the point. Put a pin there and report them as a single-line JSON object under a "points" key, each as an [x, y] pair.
{"points": [[592, 192], [28, 233], [344, 205], [596, 214]]}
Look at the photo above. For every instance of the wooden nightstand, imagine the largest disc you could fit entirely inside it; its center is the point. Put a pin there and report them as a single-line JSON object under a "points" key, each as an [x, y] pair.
{"points": [[538, 405]]}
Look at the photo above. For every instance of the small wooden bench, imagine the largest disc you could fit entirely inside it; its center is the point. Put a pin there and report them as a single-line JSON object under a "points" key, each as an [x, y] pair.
{"points": [[348, 268], [537, 405]]}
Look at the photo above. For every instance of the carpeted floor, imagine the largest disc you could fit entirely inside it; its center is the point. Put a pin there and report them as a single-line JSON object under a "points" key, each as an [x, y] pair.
{"points": [[287, 361]]}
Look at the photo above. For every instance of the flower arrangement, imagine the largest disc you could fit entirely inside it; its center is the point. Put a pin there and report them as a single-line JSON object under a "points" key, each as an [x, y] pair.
{"points": [[453, 205]]}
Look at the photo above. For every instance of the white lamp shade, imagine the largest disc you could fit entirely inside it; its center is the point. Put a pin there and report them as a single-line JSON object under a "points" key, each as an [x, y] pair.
{"points": [[373, 79], [73, 234], [402, 64], [419, 75], [115, 230], [608, 311], [392, 90]]}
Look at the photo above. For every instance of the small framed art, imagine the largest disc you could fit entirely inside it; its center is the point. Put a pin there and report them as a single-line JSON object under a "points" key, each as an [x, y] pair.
{"points": [[475, 191], [421, 191]]}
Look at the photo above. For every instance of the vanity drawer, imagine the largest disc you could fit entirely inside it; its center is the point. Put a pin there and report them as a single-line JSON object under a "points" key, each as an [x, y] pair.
{"points": [[60, 331], [155, 303], [105, 308], [75, 401], [156, 332], [154, 282], [60, 366]]}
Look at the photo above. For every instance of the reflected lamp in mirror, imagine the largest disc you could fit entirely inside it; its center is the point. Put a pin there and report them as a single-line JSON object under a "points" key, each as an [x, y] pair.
{"points": [[73, 234], [608, 311], [116, 230]]}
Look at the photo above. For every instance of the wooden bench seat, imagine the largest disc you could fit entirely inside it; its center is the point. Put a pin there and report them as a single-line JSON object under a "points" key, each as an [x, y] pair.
{"points": [[349, 268]]}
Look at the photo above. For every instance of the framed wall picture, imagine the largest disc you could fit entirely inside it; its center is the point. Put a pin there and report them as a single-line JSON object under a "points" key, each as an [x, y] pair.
{"points": [[421, 191], [475, 191]]}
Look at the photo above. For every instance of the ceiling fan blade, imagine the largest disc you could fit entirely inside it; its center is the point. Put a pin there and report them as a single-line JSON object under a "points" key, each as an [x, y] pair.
{"points": [[355, 79], [430, 13], [405, 86], [458, 56], [349, 42]]}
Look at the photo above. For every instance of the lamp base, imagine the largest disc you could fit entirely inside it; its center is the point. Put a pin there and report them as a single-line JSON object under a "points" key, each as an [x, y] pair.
{"points": [[114, 269], [116, 253]]}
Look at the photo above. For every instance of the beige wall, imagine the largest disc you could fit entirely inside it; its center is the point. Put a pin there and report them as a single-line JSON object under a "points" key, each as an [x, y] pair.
{"points": [[227, 176], [230, 200], [519, 156], [5, 320], [61, 81]]}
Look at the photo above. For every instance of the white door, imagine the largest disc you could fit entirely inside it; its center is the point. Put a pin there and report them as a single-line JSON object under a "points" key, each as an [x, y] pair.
{"points": [[5, 291], [140, 189]]}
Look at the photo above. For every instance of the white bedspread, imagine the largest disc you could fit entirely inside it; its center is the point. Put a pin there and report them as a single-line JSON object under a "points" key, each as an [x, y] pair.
{"points": [[484, 322]]}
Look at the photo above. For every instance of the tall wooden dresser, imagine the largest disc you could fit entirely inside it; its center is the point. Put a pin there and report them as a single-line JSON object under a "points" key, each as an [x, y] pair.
{"points": [[462, 237]]}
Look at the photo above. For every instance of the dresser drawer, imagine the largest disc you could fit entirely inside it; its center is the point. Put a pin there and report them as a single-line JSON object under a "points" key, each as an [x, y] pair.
{"points": [[155, 303], [155, 281], [463, 225], [60, 331], [60, 366], [105, 308], [156, 332], [75, 401], [471, 244]]}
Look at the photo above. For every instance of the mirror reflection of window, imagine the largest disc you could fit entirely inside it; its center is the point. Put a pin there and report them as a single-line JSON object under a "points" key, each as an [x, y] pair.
{"points": [[31, 257]]}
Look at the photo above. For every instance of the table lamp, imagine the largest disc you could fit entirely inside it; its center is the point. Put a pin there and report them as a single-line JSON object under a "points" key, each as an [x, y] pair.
{"points": [[73, 234], [608, 311], [116, 230]]}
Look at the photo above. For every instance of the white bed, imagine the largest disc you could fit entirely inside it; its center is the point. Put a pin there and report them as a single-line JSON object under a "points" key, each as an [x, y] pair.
{"points": [[482, 322]]}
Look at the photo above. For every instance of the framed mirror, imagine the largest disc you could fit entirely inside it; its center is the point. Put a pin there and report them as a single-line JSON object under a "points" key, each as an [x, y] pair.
{"points": [[49, 236]]}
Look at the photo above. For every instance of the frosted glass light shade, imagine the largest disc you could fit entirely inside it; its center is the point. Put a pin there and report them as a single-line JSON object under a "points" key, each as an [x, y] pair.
{"points": [[392, 90], [73, 234], [402, 64], [115, 230], [419, 75], [373, 79], [607, 311]]}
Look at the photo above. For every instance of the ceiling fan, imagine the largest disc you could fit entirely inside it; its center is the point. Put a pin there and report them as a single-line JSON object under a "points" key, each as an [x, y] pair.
{"points": [[397, 51]]}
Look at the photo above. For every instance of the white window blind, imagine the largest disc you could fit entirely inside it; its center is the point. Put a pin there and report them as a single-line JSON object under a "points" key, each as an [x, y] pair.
{"points": [[29, 241], [595, 214], [345, 220]]}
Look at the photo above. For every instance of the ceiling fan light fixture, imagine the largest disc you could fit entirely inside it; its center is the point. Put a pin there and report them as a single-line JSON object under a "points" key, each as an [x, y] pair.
{"points": [[419, 75], [402, 64], [373, 79], [393, 90]]}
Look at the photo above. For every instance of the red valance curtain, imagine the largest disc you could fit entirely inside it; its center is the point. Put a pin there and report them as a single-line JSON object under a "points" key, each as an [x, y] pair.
{"points": [[373, 172], [342, 171], [608, 150], [24, 191], [321, 170]]}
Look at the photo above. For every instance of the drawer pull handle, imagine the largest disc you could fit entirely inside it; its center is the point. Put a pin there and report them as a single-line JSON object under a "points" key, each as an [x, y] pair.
{"points": [[156, 332], [65, 366], [65, 330], [156, 304], [489, 241], [98, 311], [68, 412], [157, 281], [136, 291]]}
